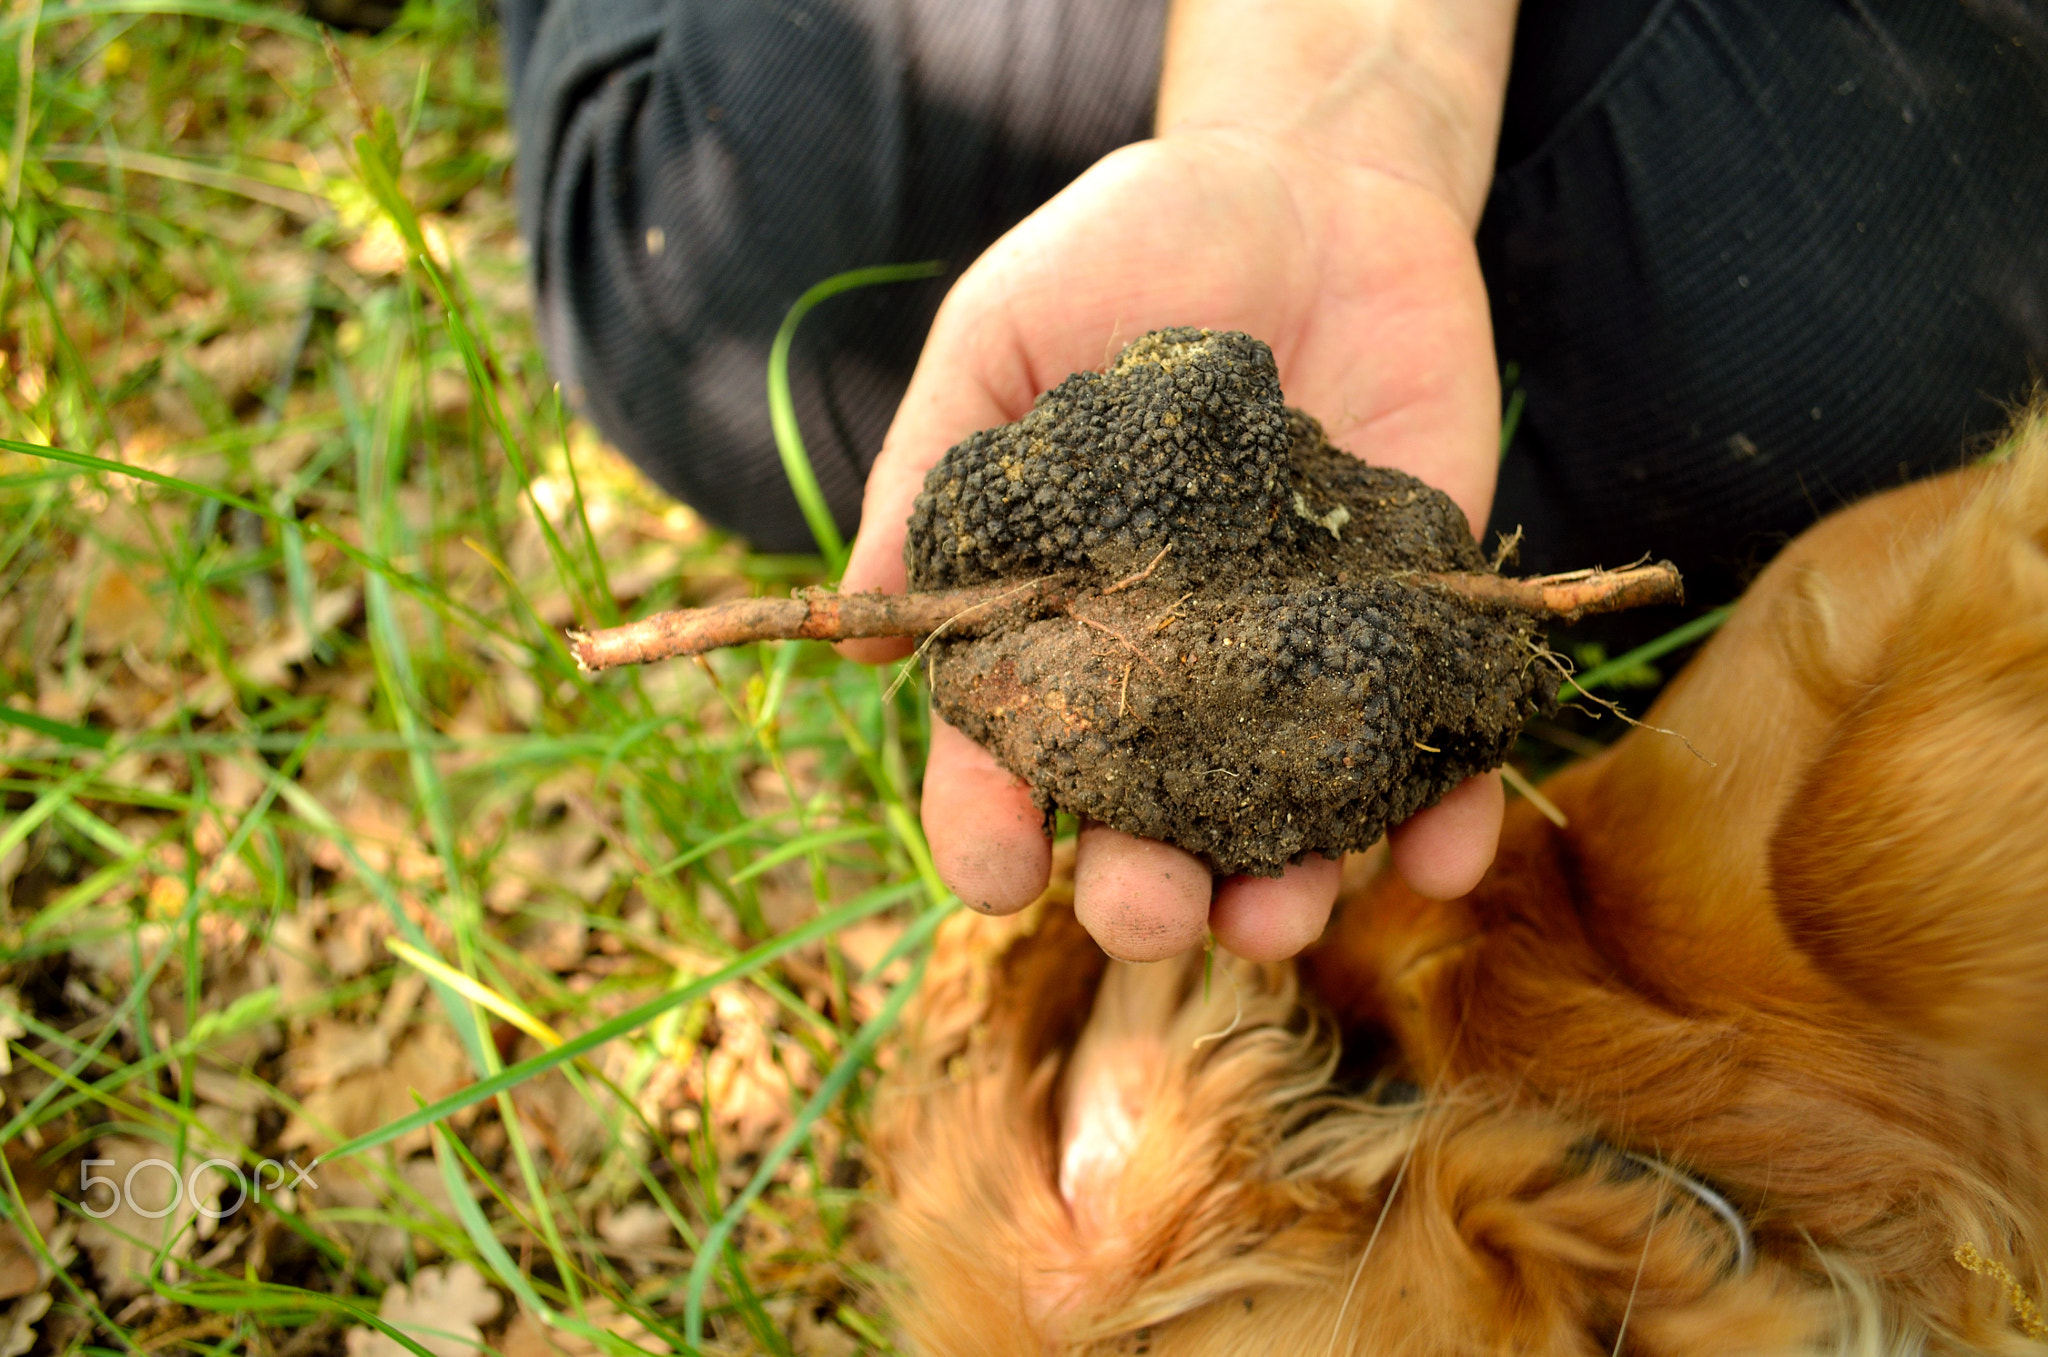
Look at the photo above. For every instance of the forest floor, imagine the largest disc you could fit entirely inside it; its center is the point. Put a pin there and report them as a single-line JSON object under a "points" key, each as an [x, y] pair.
{"points": [[306, 817]]}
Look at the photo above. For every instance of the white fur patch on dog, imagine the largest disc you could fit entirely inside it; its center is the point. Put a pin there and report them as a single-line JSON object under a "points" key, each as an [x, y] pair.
{"points": [[1116, 1072]]}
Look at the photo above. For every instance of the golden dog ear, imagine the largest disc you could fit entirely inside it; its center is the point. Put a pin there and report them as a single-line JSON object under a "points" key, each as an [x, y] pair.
{"points": [[1912, 866]]}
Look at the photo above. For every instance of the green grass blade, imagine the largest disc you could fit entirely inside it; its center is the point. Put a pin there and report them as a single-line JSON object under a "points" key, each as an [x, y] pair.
{"points": [[237, 1296], [478, 1229], [512, 1075], [377, 158], [48, 804], [758, 826], [1511, 415], [789, 439], [809, 843], [461, 1017], [913, 938], [419, 589], [274, 17], [1703, 625], [64, 732], [851, 1062]]}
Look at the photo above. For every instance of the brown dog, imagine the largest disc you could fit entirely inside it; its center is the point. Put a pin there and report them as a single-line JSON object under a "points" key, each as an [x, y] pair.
{"points": [[1750, 1058]]}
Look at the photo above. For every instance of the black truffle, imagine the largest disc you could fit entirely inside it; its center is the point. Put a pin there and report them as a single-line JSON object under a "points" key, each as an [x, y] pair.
{"points": [[1281, 681]]}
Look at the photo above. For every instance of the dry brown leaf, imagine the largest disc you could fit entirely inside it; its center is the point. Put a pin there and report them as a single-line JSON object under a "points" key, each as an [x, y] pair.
{"points": [[382, 252], [868, 941], [268, 665], [863, 944], [243, 361], [331, 1050], [10, 619], [568, 858], [294, 953], [810, 1336], [448, 391], [61, 696], [147, 1211], [105, 943], [118, 612], [232, 785], [563, 1120], [278, 458], [221, 1130], [233, 1092], [385, 835], [528, 1337], [12, 861], [429, 1061], [748, 1091], [637, 1225], [350, 1202], [557, 943], [786, 897], [21, 1270], [355, 940], [442, 1309], [18, 1325], [10, 1001]]}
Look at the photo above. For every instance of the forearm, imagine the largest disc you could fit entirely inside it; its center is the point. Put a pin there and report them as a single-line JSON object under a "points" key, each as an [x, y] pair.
{"points": [[1409, 87]]}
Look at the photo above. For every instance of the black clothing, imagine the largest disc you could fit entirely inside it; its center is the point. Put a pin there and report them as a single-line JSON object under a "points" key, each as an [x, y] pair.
{"points": [[1780, 256], [1750, 258], [687, 168]]}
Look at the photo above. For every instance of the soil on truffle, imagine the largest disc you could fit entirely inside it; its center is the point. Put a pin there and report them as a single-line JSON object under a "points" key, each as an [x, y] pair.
{"points": [[1282, 681]]}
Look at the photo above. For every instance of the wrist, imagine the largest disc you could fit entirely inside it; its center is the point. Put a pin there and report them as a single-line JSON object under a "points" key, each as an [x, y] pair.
{"points": [[1411, 88]]}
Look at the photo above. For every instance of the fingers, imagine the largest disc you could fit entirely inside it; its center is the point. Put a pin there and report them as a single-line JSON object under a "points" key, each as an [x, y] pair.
{"points": [[1140, 900], [1442, 852], [1146, 901], [1273, 918], [987, 839], [920, 435]]}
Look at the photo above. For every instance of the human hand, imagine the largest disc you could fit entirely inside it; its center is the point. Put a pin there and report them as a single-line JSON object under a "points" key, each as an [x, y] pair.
{"points": [[1366, 285]]}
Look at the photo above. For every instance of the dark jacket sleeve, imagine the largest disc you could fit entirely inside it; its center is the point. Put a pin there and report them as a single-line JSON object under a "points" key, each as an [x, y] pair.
{"points": [[675, 203], [687, 168]]}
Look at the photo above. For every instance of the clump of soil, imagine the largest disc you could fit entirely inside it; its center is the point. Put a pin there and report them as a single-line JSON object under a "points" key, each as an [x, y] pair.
{"points": [[1283, 679]]}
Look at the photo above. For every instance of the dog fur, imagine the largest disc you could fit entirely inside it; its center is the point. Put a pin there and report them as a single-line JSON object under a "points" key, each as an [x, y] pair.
{"points": [[1806, 965]]}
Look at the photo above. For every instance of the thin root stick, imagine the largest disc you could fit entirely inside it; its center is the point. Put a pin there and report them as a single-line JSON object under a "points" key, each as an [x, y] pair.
{"points": [[1572, 595], [1509, 543], [1112, 631], [1564, 672], [924, 647], [1123, 693], [968, 612], [1171, 613], [1143, 575], [1527, 790], [818, 617], [1237, 992]]}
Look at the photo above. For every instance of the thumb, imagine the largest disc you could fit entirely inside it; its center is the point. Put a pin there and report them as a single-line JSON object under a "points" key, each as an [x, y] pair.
{"points": [[950, 396]]}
